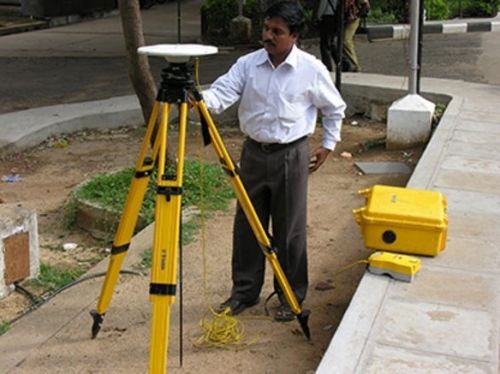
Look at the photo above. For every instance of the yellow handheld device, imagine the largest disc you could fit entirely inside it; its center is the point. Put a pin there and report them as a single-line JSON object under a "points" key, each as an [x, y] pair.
{"points": [[397, 266]]}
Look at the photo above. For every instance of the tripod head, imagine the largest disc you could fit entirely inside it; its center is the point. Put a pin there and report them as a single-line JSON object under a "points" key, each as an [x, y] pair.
{"points": [[177, 53], [177, 76]]}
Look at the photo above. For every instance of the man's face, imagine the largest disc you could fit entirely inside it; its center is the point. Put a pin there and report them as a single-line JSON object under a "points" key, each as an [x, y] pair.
{"points": [[276, 37]]}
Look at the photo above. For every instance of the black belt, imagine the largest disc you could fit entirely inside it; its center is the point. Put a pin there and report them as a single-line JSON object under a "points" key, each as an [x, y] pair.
{"points": [[273, 147]]}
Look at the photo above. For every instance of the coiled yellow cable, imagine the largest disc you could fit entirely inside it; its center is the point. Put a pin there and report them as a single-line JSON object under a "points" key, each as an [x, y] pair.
{"points": [[219, 329]]}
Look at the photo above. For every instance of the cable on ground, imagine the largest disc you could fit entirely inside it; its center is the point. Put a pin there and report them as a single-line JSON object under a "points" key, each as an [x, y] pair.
{"points": [[219, 328], [39, 301]]}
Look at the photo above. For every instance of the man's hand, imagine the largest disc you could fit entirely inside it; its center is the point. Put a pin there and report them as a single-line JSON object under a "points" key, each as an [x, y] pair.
{"points": [[317, 158]]}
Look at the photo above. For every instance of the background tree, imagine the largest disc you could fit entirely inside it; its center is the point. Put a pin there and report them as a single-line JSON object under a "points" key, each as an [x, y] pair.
{"points": [[139, 70]]}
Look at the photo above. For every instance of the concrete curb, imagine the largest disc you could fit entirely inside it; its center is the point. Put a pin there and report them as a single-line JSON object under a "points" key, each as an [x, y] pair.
{"points": [[30, 127], [455, 27], [54, 22], [23, 27]]}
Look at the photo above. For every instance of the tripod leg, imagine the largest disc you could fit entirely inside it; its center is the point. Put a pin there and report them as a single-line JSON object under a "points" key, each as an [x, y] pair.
{"points": [[165, 246], [253, 219], [143, 169]]}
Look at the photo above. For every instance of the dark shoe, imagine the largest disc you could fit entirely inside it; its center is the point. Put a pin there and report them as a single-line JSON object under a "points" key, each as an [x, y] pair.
{"points": [[236, 306], [284, 314]]}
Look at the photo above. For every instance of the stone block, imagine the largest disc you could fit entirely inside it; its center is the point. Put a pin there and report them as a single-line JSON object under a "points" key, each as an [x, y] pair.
{"points": [[241, 29], [19, 251], [409, 122]]}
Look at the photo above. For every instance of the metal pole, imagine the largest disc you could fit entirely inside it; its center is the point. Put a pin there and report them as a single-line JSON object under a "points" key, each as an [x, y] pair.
{"points": [[414, 16], [340, 44], [420, 43]]}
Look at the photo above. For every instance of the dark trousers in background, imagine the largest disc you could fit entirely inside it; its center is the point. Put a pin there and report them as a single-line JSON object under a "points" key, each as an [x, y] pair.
{"points": [[328, 27], [276, 182]]}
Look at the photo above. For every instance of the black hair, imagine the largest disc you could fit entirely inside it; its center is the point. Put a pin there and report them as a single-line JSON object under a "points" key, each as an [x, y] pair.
{"points": [[290, 12]]}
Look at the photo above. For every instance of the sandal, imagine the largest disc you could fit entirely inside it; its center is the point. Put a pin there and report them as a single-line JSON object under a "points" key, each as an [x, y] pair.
{"points": [[284, 314], [236, 306]]}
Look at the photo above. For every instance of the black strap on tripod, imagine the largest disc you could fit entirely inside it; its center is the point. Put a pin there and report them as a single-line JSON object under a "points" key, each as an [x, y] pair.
{"points": [[204, 131], [204, 125]]}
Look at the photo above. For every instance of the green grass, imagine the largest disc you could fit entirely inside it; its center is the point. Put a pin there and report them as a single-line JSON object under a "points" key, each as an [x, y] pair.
{"points": [[204, 186], [377, 16], [52, 278], [4, 327], [189, 230]]}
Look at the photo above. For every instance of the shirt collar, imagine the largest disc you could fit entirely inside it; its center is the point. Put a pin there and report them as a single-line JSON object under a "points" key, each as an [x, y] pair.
{"points": [[291, 59]]}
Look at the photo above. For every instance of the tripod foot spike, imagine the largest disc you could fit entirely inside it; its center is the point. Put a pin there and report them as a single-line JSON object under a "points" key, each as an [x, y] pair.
{"points": [[96, 326], [303, 318]]}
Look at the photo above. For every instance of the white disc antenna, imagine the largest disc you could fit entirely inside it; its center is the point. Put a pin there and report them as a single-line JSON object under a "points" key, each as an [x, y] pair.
{"points": [[177, 52]]}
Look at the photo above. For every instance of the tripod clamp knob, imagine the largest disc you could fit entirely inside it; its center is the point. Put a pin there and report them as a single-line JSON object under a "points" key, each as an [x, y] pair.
{"points": [[169, 191]]}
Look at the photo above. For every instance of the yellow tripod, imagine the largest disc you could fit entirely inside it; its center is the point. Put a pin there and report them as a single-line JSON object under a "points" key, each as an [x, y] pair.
{"points": [[176, 86]]}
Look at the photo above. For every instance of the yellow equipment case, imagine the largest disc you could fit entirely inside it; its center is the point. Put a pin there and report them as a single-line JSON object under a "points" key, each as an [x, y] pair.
{"points": [[403, 220]]}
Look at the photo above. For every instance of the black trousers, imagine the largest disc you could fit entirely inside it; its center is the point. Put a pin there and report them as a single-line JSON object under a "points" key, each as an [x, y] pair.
{"points": [[328, 27], [276, 182]]}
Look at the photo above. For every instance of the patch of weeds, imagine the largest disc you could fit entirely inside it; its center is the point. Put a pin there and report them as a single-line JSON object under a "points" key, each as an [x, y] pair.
{"points": [[146, 258], [107, 190], [207, 184], [204, 184], [52, 278], [438, 113], [69, 219], [4, 327], [189, 230]]}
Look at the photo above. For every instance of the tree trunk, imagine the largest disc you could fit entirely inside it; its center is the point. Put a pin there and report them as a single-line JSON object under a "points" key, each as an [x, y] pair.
{"points": [[138, 65]]}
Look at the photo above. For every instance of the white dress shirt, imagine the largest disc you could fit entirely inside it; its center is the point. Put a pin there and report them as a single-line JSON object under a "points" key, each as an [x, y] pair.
{"points": [[280, 105]]}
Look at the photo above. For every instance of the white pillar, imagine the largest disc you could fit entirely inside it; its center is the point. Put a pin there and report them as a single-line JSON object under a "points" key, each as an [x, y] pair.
{"points": [[409, 119]]}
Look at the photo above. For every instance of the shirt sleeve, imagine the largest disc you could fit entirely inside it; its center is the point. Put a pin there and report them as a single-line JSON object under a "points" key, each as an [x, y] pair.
{"points": [[226, 89], [332, 107]]}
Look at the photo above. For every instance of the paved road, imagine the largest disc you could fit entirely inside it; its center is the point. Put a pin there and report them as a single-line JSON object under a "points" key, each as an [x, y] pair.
{"points": [[87, 61]]}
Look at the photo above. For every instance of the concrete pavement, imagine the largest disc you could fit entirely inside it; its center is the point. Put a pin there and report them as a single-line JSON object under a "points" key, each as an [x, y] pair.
{"points": [[447, 320], [87, 61]]}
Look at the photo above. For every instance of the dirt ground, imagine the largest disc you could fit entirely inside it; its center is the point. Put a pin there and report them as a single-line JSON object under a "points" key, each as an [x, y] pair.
{"points": [[51, 171]]}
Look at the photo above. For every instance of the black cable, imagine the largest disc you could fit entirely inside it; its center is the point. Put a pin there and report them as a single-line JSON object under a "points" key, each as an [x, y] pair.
{"points": [[267, 300], [39, 301], [33, 298]]}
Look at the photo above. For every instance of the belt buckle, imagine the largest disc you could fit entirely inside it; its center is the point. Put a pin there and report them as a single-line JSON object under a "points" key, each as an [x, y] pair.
{"points": [[266, 147]]}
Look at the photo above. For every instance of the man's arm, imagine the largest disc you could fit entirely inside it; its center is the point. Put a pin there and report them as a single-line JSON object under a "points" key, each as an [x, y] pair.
{"points": [[226, 89], [328, 100]]}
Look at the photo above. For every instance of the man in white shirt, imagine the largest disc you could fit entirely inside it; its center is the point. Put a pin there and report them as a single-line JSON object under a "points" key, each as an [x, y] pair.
{"points": [[280, 89]]}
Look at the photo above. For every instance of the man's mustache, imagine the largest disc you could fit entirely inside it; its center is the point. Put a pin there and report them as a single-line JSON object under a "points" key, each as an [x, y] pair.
{"points": [[267, 41]]}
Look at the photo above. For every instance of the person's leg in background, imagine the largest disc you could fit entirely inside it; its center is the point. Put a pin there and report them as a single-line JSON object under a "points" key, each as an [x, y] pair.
{"points": [[327, 32], [350, 56]]}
